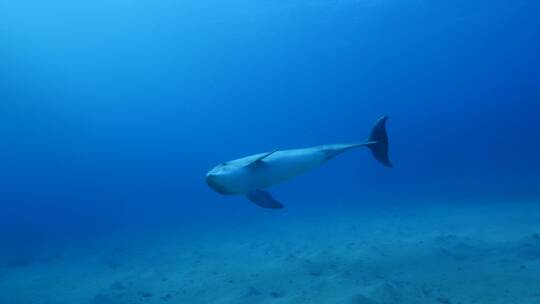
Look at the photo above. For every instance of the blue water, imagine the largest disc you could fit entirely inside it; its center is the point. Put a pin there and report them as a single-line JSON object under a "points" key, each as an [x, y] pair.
{"points": [[112, 112]]}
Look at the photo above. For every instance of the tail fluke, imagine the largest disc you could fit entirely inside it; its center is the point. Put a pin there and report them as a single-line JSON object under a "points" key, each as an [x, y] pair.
{"points": [[378, 142]]}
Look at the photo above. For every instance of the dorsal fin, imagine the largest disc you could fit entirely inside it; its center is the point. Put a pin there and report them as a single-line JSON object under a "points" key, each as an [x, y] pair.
{"points": [[262, 157]]}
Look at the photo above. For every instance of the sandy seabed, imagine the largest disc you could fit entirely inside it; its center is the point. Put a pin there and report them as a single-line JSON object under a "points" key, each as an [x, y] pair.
{"points": [[486, 253]]}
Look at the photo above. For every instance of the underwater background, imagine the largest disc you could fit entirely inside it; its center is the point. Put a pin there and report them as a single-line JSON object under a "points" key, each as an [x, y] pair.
{"points": [[112, 112]]}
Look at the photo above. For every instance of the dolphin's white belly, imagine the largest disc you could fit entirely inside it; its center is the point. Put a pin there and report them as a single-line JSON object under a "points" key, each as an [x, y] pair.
{"points": [[280, 166]]}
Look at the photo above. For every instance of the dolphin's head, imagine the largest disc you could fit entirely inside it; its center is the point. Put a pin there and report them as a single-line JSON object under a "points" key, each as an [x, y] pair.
{"points": [[224, 178]]}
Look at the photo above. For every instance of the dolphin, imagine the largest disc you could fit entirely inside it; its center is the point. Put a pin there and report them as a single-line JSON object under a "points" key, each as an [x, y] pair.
{"points": [[251, 175]]}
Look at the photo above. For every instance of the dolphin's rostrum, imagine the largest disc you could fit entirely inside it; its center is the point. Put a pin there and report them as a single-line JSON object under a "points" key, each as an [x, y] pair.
{"points": [[252, 174]]}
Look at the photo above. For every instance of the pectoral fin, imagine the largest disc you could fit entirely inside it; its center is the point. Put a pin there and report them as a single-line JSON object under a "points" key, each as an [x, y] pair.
{"points": [[260, 159], [263, 199]]}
